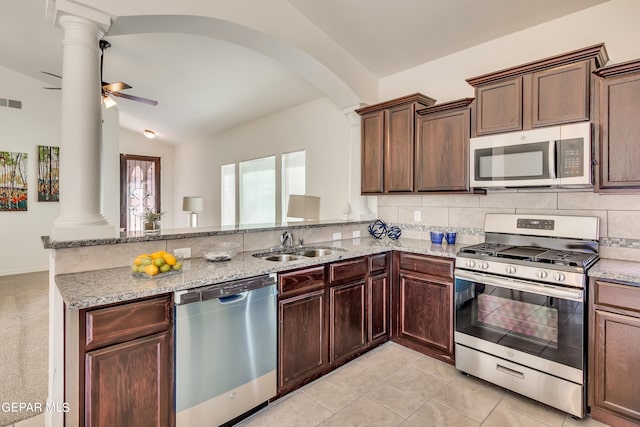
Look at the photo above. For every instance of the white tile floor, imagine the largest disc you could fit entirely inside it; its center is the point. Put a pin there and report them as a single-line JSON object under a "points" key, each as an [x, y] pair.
{"points": [[395, 386]]}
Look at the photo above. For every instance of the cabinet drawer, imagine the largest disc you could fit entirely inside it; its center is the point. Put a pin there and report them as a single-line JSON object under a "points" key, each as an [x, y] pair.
{"points": [[377, 262], [433, 266], [617, 295], [120, 323], [300, 281], [347, 270]]}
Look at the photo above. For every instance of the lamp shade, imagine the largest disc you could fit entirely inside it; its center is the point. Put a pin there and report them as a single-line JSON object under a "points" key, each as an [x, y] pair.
{"points": [[303, 206], [192, 204]]}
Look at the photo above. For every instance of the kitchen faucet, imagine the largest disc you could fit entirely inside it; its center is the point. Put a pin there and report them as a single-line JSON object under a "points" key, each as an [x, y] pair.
{"points": [[286, 237]]}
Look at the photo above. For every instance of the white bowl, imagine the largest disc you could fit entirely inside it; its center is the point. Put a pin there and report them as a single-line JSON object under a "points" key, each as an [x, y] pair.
{"points": [[222, 251]]}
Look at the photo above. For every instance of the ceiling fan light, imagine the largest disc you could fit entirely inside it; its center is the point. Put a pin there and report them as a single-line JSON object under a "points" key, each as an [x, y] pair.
{"points": [[108, 101], [149, 134]]}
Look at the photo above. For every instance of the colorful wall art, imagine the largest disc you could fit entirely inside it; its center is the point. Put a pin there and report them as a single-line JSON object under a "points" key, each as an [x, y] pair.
{"points": [[13, 181], [48, 174]]}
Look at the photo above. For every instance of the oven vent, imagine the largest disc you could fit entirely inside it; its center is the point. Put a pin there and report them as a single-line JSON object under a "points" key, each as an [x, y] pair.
{"points": [[10, 103]]}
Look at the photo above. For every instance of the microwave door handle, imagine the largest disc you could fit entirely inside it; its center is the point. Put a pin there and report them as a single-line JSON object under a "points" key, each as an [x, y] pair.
{"points": [[553, 156]]}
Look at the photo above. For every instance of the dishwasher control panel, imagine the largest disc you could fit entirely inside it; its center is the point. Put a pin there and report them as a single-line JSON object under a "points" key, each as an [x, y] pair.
{"points": [[222, 289]]}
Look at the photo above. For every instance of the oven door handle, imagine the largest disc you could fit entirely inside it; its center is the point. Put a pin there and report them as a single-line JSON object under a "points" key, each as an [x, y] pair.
{"points": [[520, 285]]}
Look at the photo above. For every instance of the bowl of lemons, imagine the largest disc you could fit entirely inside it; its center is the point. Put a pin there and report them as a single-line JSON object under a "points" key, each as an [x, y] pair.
{"points": [[156, 264]]}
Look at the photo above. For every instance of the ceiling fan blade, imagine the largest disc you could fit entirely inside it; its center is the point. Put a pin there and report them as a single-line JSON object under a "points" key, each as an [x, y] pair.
{"points": [[133, 98], [115, 87], [51, 74]]}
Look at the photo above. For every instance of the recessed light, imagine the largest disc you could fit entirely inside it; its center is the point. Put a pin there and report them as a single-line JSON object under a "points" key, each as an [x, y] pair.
{"points": [[149, 133]]}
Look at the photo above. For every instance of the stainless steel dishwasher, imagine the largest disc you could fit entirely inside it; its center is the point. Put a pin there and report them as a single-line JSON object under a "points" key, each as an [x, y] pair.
{"points": [[225, 350]]}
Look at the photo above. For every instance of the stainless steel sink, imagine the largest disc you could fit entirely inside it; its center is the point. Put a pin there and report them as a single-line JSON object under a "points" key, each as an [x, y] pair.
{"points": [[302, 252]]}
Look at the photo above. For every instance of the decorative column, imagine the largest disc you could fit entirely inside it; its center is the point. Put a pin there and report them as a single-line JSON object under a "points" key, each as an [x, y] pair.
{"points": [[81, 129]]}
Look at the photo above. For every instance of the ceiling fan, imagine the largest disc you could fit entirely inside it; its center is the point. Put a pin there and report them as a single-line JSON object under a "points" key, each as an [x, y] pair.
{"points": [[109, 89]]}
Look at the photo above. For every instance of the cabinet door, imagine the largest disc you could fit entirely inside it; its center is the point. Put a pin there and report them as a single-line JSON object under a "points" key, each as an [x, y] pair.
{"points": [[620, 150], [499, 107], [398, 163], [130, 384], [616, 360], [302, 345], [372, 174], [348, 333], [378, 308], [561, 95], [425, 317], [442, 152]]}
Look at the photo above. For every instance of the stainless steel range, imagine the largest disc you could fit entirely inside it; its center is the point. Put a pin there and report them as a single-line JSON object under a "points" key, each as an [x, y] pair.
{"points": [[520, 306]]}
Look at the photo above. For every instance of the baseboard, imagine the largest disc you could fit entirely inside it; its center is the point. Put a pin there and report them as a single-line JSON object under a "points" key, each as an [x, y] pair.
{"points": [[25, 271]]}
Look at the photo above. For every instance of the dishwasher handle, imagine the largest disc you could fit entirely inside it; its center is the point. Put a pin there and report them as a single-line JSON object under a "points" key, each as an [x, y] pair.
{"points": [[230, 299]]}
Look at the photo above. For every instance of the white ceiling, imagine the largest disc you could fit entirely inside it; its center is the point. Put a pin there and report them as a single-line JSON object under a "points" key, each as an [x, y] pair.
{"points": [[204, 86]]}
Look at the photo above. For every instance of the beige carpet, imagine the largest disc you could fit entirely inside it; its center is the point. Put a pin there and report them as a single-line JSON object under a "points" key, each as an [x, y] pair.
{"points": [[24, 344]]}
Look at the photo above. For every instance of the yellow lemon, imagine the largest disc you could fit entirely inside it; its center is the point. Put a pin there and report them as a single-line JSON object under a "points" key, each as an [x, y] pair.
{"points": [[151, 269], [138, 260], [158, 254], [170, 259]]}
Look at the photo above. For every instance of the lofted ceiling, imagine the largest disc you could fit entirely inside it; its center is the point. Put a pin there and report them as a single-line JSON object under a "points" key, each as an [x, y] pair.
{"points": [[205, 86]]}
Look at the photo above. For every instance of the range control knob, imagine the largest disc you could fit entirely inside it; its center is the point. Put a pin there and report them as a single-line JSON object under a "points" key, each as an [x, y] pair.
{"points": [[541, 274], [510, 269], [559, 277], [483, 265], [470, 263]]}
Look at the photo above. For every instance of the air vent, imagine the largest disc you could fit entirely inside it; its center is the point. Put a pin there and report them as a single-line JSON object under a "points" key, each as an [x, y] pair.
{"points": [[11, 103]]}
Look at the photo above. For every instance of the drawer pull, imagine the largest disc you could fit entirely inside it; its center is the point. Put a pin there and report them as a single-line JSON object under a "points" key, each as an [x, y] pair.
{"points": [[510, 371]]}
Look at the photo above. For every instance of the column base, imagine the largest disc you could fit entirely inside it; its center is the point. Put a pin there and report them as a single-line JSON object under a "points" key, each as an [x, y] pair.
{"points": [[82, 232]]}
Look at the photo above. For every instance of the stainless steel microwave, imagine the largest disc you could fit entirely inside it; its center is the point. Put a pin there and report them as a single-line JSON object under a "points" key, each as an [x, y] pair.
{"points": [[557, 156]]}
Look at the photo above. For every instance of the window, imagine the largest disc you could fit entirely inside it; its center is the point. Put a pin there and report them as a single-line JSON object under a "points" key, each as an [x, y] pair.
{"points": [[258, 193], [228, 194], [293, 178], [139, 189]]}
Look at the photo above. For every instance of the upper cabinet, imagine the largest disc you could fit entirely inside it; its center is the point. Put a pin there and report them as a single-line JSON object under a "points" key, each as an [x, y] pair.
{"points": [[388, 141], [618, 101], [442, 147], [552, 91]]}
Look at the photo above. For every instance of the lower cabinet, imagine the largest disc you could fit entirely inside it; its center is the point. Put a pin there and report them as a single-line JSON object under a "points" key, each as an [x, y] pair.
{"points": [[614, 382], [423, 305], [126, 369], [328, 315]]}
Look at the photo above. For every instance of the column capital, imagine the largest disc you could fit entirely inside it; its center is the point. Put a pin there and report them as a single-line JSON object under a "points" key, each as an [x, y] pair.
{"points": [[56, 9]]}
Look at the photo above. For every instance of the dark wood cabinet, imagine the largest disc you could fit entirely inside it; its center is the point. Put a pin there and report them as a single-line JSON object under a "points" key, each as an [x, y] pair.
{"points": [[127, 371], [614, 324], [442, 147], [302, 327], [619, 133], [329, 314], [551, 91], [388, 141], [348, 330], [423, 305]]}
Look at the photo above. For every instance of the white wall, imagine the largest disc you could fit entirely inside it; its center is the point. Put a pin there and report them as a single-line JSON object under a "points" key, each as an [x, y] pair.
{"points": [[318, 126], [22, 130], [615, 23]]}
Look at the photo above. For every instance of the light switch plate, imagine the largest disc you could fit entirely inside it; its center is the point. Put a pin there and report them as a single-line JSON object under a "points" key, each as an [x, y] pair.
{"points": [[337, 236], [356, 234], [184, 252], [417, 216]]}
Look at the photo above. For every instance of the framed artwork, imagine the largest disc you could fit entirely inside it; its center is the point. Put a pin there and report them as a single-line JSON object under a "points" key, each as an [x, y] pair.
{"points": [[48, 174], [13, 181]]}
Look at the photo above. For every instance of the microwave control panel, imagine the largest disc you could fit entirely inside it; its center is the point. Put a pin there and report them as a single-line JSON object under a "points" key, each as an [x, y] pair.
{"points": [[571, 157]]}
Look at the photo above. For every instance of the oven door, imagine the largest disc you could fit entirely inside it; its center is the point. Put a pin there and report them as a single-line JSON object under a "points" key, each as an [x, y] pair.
{"points": [[499, 315]]}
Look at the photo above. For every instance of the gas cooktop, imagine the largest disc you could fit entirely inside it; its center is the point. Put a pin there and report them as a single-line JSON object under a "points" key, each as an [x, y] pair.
{"points": [[531, 254]]}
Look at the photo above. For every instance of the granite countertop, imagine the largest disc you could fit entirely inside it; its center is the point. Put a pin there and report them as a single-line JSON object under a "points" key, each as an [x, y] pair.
{"points": [[100, 287], [614, 269]]}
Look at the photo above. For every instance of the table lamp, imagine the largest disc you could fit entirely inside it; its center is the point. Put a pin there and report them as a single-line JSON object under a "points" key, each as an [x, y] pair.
{"points": [[303, 206], [193, 205]]}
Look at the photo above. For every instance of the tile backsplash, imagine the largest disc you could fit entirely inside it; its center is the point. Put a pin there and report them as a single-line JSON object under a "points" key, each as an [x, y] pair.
{"points": [[464, 213]]}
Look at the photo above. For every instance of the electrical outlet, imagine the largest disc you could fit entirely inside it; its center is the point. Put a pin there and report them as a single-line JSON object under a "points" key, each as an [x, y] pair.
{"points": [[337, 236], [356, 234], [184, 252], [417, 216]]}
